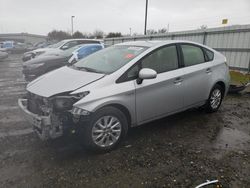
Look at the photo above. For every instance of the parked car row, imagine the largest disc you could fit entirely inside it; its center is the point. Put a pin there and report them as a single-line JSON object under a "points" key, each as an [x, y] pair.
{"points": [[56, 59], [122, 86], [14, 47], [58, 47], [3, 55]]}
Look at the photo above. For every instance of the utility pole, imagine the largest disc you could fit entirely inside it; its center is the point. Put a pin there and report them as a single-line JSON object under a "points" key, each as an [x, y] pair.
{"points": [[130, 33], [146, 17], [72, 25]]}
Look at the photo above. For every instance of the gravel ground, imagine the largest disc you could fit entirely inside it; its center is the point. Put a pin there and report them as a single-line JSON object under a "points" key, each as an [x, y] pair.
{"points": [[183, 150]]}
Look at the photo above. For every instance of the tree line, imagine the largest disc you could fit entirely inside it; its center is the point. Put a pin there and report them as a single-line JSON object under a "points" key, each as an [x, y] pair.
{"points": [[97, 34]]}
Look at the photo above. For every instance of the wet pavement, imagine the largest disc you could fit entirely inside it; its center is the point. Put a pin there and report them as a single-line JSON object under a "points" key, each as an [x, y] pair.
{"points": [[183, 150]]}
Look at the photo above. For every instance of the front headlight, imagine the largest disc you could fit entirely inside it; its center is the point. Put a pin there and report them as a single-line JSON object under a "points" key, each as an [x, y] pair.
{"points": [[78, 111], [64, 103]]}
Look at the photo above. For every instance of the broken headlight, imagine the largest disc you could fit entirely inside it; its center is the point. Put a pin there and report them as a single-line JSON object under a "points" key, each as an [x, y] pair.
{"points": [[64, 103]]}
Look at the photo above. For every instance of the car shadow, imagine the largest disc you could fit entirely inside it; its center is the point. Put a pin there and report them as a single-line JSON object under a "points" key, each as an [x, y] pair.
{"points": [[168, 129]]}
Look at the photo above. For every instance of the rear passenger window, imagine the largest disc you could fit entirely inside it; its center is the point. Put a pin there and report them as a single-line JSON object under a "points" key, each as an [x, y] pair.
{"points": [[162, 60], [192, 55], [209, 54]]}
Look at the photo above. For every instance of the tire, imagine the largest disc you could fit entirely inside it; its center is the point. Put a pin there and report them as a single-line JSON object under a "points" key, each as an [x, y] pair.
{"points": [[100, 139], [215, 99]]}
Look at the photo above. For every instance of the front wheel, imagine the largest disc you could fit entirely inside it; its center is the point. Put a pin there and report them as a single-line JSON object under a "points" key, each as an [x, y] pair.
{"points": [[215, 99], [106, 129]]}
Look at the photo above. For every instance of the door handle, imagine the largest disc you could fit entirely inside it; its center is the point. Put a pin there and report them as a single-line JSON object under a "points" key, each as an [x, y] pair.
{"points": [[178, 80], [208, 70]]}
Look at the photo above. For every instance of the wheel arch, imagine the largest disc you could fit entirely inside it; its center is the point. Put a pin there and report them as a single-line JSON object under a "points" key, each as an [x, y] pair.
{"points": [[122, 108], [223, 86]]}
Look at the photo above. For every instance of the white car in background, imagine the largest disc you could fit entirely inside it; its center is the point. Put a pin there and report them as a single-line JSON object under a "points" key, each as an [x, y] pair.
{"points": [[58, 47]]}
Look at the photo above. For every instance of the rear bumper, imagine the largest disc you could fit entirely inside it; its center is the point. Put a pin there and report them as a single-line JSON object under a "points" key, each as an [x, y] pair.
{"points": [[42, 125]]}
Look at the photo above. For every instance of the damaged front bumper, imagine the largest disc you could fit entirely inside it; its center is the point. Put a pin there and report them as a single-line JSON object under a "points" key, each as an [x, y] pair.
{"points": [[42, 125]]}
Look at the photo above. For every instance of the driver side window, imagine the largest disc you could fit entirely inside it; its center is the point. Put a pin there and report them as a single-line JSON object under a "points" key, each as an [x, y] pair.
{"points": [[162, 60]]}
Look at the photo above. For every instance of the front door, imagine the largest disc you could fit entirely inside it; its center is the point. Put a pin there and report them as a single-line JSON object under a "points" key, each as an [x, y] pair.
{"points": [[164, 94]]}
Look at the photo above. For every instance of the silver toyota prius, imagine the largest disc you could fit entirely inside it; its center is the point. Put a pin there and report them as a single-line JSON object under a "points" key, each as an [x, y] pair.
{"points": [[123, 86]]}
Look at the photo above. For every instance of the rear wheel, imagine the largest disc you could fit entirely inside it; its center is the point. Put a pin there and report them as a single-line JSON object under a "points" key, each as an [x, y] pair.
{"points": [[105, 130], [215, 99]]}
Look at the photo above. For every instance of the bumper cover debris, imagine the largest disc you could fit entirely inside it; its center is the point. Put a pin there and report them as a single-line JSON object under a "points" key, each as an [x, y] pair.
{"points": [[42, 125]]}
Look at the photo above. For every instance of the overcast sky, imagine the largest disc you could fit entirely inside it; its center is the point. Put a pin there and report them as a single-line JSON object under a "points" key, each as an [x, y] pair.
{"points": [[42, 16]]}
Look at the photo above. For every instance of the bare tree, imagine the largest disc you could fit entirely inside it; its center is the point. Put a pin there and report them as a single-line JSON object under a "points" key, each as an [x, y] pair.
{"points": [[113, 35], [203, 27], [58, 35], [77, 35], [151, 32], [162, 30], [98, 34]]}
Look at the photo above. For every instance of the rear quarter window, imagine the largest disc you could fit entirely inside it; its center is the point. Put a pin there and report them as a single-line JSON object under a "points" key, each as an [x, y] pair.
{"points": [[209, 54]]}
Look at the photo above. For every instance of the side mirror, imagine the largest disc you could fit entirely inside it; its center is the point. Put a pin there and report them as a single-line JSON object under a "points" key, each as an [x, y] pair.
{"points": [[146, 73]]}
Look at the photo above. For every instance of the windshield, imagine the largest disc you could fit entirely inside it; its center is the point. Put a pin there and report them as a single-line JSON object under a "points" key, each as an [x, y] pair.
{"points": [[110, 59], [57, 45]]}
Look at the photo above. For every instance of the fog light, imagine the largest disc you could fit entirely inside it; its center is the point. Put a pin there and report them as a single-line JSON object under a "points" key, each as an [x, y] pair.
{"points": [[78, 111]]}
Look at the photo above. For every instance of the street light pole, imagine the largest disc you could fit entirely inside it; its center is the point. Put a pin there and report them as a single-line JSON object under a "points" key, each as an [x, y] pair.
{"points": [[146, 17], [130, 33], [72, 25]]}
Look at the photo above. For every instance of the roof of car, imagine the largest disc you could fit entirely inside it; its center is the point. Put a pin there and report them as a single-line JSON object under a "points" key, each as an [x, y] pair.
{"points": [[151, 43], [82, 39]]}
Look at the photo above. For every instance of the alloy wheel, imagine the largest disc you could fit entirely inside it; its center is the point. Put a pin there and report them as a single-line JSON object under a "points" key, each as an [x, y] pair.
{"points": [[106, 131], [215, 98]]}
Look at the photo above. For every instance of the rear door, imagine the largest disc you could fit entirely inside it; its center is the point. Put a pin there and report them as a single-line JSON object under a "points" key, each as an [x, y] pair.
{"points": [[164, 94], [197, 74]]}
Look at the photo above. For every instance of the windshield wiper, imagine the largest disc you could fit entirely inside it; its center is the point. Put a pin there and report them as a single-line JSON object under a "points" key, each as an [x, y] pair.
{"points": [[88, 69]]}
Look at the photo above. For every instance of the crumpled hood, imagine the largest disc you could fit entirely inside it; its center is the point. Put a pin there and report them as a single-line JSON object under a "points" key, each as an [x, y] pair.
{"points": [[61, 80]]}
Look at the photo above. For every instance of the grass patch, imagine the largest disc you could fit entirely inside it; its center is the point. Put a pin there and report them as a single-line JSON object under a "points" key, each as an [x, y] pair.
{"points": [[239, 78]]}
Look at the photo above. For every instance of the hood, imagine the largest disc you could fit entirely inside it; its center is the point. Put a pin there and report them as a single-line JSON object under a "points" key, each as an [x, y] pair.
{"points": [[45, 59], [61, 80], [42, 50]]}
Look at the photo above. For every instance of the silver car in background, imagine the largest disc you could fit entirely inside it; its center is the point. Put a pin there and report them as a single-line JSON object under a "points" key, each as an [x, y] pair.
{"points": [[123, 86]]}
